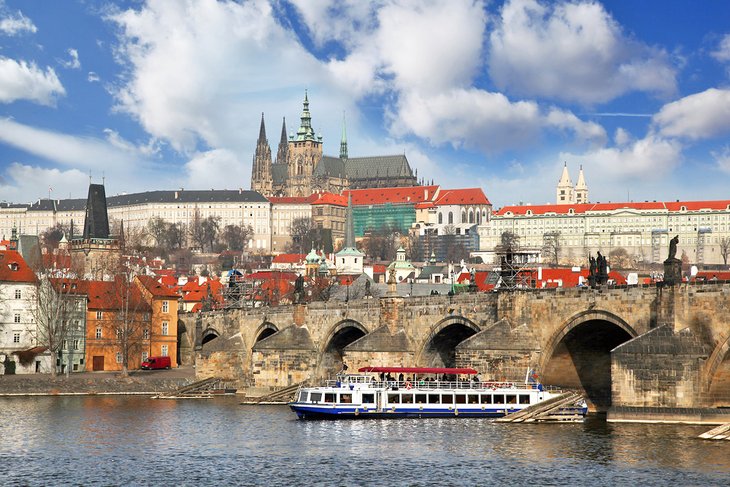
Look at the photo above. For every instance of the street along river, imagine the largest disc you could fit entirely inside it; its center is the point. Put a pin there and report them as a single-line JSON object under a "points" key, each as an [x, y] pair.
{"points": [[140, 441]]}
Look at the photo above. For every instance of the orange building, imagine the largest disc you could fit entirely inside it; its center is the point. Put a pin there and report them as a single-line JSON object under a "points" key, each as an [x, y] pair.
{"points": [[163, 302], [117, 325]]}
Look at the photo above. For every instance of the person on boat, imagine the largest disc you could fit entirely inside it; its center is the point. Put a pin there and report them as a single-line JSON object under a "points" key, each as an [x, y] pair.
{"points": [[400, 377]]}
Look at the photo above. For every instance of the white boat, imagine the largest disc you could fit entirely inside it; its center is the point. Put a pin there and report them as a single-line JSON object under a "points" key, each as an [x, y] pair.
{"points": [[369, 394]]}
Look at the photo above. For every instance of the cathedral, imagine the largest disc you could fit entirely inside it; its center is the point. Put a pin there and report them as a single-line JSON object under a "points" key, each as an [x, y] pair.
{"points": [[301, 169]]}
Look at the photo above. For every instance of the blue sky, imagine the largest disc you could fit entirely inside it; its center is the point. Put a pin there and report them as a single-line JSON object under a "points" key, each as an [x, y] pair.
{"points": [[163, 94]]}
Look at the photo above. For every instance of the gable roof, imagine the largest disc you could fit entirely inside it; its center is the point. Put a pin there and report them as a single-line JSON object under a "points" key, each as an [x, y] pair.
{"points": [[288, 259], [466, 196], [330, 199], [156, 288], [13, 268], [377, 167], [109, 295], [670, 206]]}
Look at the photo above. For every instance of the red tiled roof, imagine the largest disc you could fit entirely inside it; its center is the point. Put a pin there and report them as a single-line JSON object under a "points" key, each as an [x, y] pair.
{"points": [[263, 275], [110, 295], [331, 199], [288, 258], [672, 206], [568, 278], [379, 269], [425, 205], [379, 196], [293, 200], [13, 268], [467, 196], [157, 289]]}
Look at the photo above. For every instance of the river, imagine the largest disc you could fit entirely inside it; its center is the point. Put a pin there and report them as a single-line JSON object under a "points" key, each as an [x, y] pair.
{"points": [[132, 440]]}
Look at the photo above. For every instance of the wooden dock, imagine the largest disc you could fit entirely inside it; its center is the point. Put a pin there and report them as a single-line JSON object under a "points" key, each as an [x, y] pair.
{"points": [[722, 432], [563, 408], [282, 396], [202, 389]]}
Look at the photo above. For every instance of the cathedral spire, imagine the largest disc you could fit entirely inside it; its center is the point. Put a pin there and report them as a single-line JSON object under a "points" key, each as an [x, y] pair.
{"points": [[581, 188], [343, 142], [282, 154], [261, 165], [350, 227], [305, 131], [262, 129], [564, 191]]}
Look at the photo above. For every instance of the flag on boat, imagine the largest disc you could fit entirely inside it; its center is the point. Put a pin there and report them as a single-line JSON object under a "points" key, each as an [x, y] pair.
{"points": [[532, 377]]}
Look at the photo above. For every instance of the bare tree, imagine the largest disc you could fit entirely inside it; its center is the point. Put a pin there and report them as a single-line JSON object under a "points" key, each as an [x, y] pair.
{"points": [[157, 228], [620, 258], [50, 311], [53, 235], [236, 237], [725, 248], [551, 247], [197, 234], [130, 320], [211, 227], [508, 243], [300, 231]]}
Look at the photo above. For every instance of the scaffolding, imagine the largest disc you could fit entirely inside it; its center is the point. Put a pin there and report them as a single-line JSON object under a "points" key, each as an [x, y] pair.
{"points": [[656, 244], [702, 233]]}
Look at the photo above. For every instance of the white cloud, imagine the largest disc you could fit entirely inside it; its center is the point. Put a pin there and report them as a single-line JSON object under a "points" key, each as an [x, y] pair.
{"points": [[622, 137], [92, 77], [699, 116], [573, 52], [722, 53], [213, 169], [25, 184], [203, 71], [20, 80], [722, 159], [14, 23], [589, 132], [73, 61]]}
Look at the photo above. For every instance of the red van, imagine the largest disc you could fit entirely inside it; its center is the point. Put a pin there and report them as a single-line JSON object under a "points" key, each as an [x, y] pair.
{"points": [[156, 363]]}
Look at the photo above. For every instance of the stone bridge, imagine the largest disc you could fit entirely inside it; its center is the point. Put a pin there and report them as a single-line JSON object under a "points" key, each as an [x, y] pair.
{"points": [[631, 346]]}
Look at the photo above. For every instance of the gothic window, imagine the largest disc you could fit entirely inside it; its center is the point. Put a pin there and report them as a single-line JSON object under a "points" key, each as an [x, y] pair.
{"points": [[471, 216], [463, 216], [441, 218], [451, 218]]}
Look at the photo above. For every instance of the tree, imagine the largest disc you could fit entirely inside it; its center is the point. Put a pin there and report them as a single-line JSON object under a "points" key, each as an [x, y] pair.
{"points": [[620, 258], [50, 310], [509, 243], [236, 237], [300, 231], [551, 247], [157, 228], [129, 321], [197, 234], [725, 248], [175, 235], [211, 227], [53, 235]]}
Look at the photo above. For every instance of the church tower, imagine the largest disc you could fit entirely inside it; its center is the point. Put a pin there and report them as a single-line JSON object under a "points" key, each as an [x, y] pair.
{"points": [[261, 179], [564, 189], [581, 188], [282, 153], [305, 152], [343, 141]]}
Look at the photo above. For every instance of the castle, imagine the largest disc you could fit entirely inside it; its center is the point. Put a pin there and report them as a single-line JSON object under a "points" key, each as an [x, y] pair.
{"points": [[301, 169]]}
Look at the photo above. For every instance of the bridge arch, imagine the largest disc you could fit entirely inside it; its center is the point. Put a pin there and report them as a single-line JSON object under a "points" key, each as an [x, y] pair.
{"points": [[331, 352], [265, 330], [209, 334], [578, 354], [439, 347], [716, 375]]}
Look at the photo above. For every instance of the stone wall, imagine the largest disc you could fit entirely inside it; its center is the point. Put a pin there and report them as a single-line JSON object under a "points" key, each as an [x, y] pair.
{"points": [[659, 369]]}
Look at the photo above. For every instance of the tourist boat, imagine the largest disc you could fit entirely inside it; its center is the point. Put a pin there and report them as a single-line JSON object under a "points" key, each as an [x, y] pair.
{"points": [[369, 394]]}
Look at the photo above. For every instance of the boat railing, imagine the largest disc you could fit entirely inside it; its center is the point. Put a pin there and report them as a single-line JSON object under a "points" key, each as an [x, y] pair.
{"points": [[438, 384]]}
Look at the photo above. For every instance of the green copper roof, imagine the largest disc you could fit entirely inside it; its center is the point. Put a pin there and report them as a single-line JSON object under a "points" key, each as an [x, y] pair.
{"points": [[305, 131]]}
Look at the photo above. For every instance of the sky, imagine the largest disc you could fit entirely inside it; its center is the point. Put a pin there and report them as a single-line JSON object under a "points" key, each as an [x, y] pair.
{"points": [[159, 94]]}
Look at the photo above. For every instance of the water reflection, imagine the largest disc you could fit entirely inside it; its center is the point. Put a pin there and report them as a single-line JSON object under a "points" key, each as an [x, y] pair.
{"points": [[134, 440]]}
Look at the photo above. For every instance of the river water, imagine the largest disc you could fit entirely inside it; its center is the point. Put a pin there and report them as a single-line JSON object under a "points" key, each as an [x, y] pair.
{"points": [[140, 441]]}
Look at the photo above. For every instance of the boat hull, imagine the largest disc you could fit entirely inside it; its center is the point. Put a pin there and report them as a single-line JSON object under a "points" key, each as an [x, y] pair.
{"points": [[305, 411]]}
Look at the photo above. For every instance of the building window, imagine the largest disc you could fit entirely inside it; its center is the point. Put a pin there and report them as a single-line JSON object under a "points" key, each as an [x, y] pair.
{"points": [[99, 315], [17, 294], [165, 307], [165, 327], [98, 333], [64, 345], [146, 334], [163, 350], [451, 218], [144, 356], [76, 344], [120, 359], [16, 337], [16, 318]]}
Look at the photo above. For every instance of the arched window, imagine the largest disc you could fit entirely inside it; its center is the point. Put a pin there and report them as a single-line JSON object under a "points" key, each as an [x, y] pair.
{"points": [[451, 218], [479, 218], [441, 218], [463, 216], [471, 216]]}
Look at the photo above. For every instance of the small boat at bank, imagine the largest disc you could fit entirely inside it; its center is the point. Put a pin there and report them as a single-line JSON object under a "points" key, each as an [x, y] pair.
{"points": [[369, 395]]}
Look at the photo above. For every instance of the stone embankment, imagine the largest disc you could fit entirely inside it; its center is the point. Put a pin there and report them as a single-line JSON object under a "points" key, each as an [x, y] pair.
{"points": [[138, 382]]}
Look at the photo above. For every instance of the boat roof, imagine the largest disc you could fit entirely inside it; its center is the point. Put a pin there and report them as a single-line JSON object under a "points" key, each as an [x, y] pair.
{"points": [[420, 370]]}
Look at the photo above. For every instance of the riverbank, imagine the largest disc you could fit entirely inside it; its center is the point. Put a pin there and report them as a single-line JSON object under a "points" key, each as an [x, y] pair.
{"points": [[96, 383]]}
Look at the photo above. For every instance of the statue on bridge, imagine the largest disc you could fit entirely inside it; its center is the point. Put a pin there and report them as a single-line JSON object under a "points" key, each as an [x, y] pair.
{"points": [[673, 265], [597, 270], [673, 247], [299, 289]]}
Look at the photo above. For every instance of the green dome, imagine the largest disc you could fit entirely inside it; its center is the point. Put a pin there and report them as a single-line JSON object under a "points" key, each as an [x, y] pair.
{"points": [[312, 257]]}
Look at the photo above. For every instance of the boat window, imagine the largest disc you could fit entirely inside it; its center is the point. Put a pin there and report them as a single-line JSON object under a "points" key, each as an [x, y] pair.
{"points": [[407, 399], [329, 397], [511, 399], [315, 396], [434, 399], [447, 399], [368, 398], [473, 398], [499, 399], [486, 399], [346, 398], [302, 396], [524, 399], [420, 398], [460, 398], [394, 398]]}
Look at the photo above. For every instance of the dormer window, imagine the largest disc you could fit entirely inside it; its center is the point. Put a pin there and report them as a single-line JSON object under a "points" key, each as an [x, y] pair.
{"points": [[683, 208], [571, 211], [14, 266], [528, 213]]}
